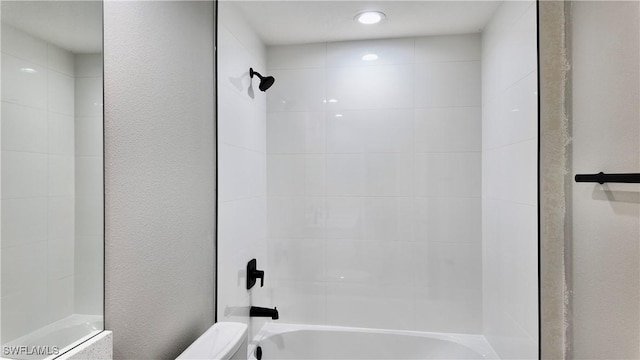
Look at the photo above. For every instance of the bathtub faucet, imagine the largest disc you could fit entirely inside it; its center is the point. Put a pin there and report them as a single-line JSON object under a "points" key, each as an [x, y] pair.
{"points": [[256, 311]]}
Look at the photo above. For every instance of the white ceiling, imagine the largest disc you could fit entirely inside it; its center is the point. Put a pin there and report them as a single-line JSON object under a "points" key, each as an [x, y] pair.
{"points": [[305, 21], [72, 25]]}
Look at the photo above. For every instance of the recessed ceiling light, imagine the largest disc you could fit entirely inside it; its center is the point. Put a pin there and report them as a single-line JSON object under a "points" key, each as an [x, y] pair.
{"points": [[370, 17], [370, 57]]}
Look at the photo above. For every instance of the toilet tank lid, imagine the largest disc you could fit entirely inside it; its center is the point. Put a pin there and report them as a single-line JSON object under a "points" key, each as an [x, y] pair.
{"points": [[220, 341]]}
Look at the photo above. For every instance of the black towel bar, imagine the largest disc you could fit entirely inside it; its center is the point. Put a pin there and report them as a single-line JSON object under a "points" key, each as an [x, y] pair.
{"points": [[602, 178]]}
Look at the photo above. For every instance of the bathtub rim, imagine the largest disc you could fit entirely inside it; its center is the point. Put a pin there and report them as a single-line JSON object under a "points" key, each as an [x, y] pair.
{"points": [[475, 342]]}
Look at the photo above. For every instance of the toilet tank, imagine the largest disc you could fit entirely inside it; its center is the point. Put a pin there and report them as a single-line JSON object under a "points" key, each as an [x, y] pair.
{"points": [[222, 341]]}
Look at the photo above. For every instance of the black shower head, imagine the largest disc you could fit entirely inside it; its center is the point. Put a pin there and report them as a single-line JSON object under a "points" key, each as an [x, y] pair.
{"points": [[265, 81]]}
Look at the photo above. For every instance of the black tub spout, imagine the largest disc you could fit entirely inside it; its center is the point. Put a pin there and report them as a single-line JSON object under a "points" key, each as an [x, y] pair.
{"points": [[256, 311]]}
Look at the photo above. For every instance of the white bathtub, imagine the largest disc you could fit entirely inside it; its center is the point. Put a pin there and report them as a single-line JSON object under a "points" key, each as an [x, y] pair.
{"points": [[286, 341], [54, 339]]}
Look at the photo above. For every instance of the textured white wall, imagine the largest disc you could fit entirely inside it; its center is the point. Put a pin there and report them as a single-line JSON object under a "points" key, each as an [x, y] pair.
{"points": [[160, 175], [373, 177], [509, 181], [605, 271]]}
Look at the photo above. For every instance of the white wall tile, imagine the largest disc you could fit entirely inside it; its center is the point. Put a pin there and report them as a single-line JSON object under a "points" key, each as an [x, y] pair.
{"points": [[88, 65], [304, 56], [22, 45], [38, 167], [61, 224], [381, 263], [346, 175], [371, 174], [89, 253], [88, 96], [371, 87], [295, 299], [61, 175], [89, 176], [525, 45], [297, 90], [60, 60], [23, 82], [448, 219], [389, 51], [289, 175], [448, 129], [513, 117], [315, 175], [88, 279], [456, 265], [242, 127], [448, 174], [381, 152], [234, 22], [61, 134], [519, 162], [233, 68], [353, 304], [509, 171], [89, 216], [389, 218], [242, 173], [60, 258], [448, 48], [296, 217], [24, 175], [88, 248], [295, 132], [25, 311], [240, 244], [23, 128], [24, 221], [60, 298], [451, 310], [61, 92], [345, 217], [519, 113], [285, 175], [27, 264], [297, 259], [89, 298], [234, 220], [89, 136], [447, 84], [491, 135], [241, 123], [370, 131], [388, 174]]}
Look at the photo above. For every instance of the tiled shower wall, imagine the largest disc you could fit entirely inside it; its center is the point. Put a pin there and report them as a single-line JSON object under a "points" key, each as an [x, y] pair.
{"points": [[509, 178], [89, 206], [374, 183], [242, 195]]}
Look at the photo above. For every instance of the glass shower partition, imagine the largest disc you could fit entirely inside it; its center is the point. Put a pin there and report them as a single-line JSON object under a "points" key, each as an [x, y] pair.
{"points": [[51, 176]]}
